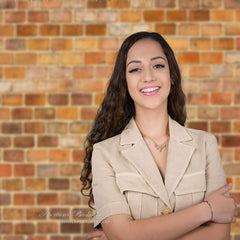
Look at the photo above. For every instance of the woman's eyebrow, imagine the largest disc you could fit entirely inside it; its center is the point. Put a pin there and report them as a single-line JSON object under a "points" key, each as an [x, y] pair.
{"points": [[154, 58], [134, 61]]}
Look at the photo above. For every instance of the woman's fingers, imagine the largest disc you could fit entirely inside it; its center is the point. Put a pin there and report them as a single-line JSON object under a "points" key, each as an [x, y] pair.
{"points": [[94, 234]]}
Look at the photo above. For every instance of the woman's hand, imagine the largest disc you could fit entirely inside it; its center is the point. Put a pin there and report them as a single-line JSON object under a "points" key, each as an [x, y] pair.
{"points": [[224, 208], [97, 234]]}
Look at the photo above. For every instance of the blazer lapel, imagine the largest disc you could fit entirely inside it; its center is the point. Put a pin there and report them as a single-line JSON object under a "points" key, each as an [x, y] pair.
{"points": [[137, 152], [180, 151]]}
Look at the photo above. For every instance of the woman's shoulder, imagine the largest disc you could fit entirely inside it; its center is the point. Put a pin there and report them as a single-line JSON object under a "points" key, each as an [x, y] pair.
{"points": [[109, 142]]}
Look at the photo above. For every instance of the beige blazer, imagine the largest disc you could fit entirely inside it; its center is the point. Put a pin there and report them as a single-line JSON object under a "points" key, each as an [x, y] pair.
{"points": [[126, 179]]}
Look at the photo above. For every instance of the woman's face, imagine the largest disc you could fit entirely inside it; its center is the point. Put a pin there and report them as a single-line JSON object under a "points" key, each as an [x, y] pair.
{"points": [[148, 76]]}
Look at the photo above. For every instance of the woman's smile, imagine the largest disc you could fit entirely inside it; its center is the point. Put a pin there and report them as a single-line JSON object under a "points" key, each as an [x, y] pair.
{"points": [[150, 90]]}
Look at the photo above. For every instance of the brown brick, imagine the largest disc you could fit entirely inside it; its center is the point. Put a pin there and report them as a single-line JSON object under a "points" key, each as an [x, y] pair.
{"points": [[13, 214], [80, 127], [15, 44], [223, 43], [14, 72], [7, 30], [24, 142], [211, 4], [24, 228], [26, 30], [198, 98], [59, 213], [33, 184], [13, 155], [221, 98], [47, 141], [230, 141], [212, 29], [51, 4], [11, 128], [15, 184], [36, 213], [199, 15], [38, 44], [212, 57], [220, 127], [38, 16], [62, 16], [236, 126], [88, 113], [96, 29], [6, 228], [76, 185], [12, 99], [198, 125], [72, 30], [47, 199], [48, 170], [49, 30], [153, 15], [59, 184], [22, 113], [189, 4], [37, 155], [208, 113], [5, 142], [58, 99], [95, 58], [7, 4], [57, 127], [47, 227], [188, 57], [231, 85], [45, 113], [83, 72], [23, 199], [201, 43], [81, 99], [232, 29], [176, 15], [59, 155], [119, 4], [5, 170], [4, 113], [237, 98], [165, 3], [232, 4], [26, 59], [35, 99], [222, 15], [166, 29], [34, 127], [15, 17], [62, 44], [70, 170], [5, 199], [230, 113], [97, 4], [24, 170], [200, 72], [70, 199], [78, 155], [88, 227]]}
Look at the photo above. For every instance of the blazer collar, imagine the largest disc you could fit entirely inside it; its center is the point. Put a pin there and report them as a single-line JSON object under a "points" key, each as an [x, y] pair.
{"points": [[179, 154]]}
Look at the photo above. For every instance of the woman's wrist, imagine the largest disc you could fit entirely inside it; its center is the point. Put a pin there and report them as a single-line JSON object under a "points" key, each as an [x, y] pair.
{"points": [[207, 213]]}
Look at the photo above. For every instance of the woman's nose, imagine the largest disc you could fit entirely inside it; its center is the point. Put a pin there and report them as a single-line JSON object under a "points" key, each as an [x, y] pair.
{"points": [[148, 75]]}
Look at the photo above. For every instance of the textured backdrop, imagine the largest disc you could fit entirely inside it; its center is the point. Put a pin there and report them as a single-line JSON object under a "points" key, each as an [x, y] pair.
{"points": [[56, 57]]}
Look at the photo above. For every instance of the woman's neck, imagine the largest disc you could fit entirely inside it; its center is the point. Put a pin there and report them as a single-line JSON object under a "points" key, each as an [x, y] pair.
{"points": [[153, 124]]}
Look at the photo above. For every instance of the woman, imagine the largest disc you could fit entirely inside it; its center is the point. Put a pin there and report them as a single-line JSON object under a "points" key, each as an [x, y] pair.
{"points": [[152, 178]]}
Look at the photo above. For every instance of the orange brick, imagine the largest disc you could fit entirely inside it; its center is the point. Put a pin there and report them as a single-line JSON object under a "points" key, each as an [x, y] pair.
{"points": [[44, 113], [21, 113], [230, 85], [222, 15], [200, 72], [47, 141], [130, 16], [104, 72], [232, 29], [38, 44], [62, 16], [47, 199], [78, 155], [47, 227], [197, 98], [81, 99], [38, 16], [59, 155], [24, 170], [68, 113], [6, 58], [49, 30], [37, 155], [188, 29], [7, 30], [230, 113], [4, 113], [13, 214], [166, 29], [238, 15], [14, 72], [26, 58], [95, 58], [83, 72], [23, 199], [12, 99], [24, 228], [96, 29], [88, 113], [178, 43], [5, 170], [220, 127], [71, 58], [15, 17], [221, 98], [119, 4], [212, 57], [34, 127], [51, 4], [33, 184], [201, 43], [35, 99], [223, 43], [212, 29], [99, 98], [58, 99], [236, 126], [86, 44], [153, 15], [238, 43], [92, 85], [24, 142], [189, 4], [188, 57], [62, 44], [72, 30], [176, 15], [26, 30], [199, 15], [108, 43], [97, 4]]}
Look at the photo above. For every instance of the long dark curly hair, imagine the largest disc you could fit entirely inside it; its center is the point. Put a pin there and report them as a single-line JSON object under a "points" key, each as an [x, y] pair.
{"points": [[118, 108]]}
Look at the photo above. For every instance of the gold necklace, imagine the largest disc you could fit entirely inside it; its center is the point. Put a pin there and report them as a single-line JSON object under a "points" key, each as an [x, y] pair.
{"points": [[157, 146]]}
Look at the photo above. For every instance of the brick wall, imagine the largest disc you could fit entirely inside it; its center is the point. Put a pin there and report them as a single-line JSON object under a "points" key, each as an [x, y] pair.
{"points": [[55, 59]]}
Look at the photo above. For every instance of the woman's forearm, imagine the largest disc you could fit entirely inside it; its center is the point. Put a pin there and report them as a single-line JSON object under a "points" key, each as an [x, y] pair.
{"points": [[172, 226]]}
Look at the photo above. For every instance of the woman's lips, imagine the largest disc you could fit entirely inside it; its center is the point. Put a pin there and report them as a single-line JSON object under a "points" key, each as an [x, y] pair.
{"points": [[149, 91]]}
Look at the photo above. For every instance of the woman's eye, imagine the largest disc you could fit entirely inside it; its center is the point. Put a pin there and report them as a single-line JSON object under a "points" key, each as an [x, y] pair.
{"points": [[134, 70], [159, 66]]}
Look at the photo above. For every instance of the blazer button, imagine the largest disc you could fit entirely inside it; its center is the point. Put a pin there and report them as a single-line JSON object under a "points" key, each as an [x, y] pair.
{"points": [[166, 211]]}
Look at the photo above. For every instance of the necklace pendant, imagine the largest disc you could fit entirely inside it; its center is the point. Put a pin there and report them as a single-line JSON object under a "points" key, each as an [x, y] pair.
{"points": [[160, 148]]}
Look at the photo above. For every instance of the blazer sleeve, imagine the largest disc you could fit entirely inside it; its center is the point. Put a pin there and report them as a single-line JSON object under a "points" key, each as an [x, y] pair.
{"points": [[215, 175], [108, 200]]}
